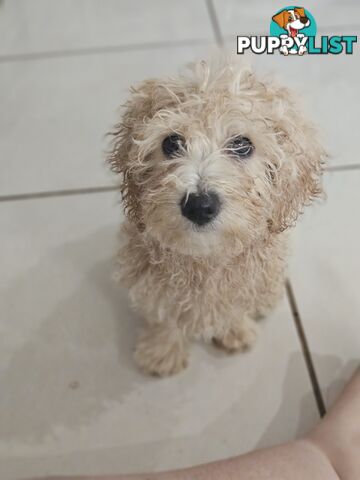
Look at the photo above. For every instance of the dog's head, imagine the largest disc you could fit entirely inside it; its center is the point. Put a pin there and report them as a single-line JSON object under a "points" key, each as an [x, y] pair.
{"points": [[214, 161], [292, 20]]}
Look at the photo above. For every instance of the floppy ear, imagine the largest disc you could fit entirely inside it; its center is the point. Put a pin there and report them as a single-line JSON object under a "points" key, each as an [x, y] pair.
{"points": [[296, 177], [281, 18], [145, 101], [300, 11]]}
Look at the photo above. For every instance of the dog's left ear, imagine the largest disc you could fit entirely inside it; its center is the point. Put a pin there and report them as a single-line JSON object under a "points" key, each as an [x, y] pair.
{"points": [[300, 11], [296, 175]]}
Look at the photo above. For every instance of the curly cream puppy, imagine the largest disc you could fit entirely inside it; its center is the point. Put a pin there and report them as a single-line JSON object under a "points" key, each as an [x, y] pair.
{"points": [[215, 167]]}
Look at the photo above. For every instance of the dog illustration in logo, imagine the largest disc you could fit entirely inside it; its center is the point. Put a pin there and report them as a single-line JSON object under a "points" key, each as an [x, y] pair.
{"points": [[292, 20]]}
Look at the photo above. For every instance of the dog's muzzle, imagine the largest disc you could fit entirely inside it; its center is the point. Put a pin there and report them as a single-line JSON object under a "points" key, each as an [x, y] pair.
{"points": [[200, 208]]}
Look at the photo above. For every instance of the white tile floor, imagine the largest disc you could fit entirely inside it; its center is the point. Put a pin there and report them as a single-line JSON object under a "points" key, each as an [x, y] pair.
{"points": [[243, 18], [71, 400]]}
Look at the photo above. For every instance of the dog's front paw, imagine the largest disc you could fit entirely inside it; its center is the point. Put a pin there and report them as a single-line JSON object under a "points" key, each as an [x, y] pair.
{"points": [[159, 356], [239, 338], [284, 50]]}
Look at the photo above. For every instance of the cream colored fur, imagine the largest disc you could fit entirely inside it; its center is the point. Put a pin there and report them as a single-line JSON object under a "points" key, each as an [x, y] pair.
{"points": [[211, 282]]}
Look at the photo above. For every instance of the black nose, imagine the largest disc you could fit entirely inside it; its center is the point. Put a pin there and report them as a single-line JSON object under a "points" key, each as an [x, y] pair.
{"points": [[201, 207], [304, 20]]}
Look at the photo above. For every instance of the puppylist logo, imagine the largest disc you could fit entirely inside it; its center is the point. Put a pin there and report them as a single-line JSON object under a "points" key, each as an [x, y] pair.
{"points": [[293, 32], [299, 26]]}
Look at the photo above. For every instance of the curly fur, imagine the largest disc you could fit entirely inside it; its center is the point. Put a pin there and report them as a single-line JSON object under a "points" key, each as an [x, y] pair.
{"points": [[211, 282]]}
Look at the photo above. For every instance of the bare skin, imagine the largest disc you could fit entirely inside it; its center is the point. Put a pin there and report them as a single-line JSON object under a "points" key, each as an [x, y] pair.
{"points": [[330, 452], [338, 435]]}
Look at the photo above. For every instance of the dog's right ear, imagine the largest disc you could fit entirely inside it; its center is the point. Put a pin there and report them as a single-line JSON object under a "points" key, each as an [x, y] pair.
{"points": [[281, 18], [146, 99]]}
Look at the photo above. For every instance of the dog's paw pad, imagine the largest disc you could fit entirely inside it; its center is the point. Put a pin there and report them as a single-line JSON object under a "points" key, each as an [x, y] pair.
{"points": [[238, 340], [160, 360]]}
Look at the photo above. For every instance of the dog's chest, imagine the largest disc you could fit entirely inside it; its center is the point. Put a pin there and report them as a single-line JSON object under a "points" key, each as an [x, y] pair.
{"points": [[160, 282], [184, 281]]}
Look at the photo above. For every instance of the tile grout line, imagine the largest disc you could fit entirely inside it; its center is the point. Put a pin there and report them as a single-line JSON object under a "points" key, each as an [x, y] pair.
{"points": [[305, 348], [58, 193], [110, 188], [342, 168], [215, 23], [220, 40], [20, 57]]}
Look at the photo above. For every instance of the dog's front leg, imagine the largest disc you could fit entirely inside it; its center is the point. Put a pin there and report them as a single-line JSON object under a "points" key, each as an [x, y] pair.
{"points": [[162, 350], [239, 336]]}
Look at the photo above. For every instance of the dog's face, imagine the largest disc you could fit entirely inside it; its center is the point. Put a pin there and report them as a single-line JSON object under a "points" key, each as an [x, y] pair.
{"points": [[292, 20], [214, 162]]}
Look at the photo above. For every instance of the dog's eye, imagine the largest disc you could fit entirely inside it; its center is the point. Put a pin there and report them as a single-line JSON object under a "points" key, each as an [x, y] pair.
{"points": [[172, 145], [240, 147]]}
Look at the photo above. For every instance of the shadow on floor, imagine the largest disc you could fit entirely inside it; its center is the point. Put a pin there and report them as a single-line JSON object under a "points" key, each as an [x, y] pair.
{"points": [[327, 366], [78, 357]]}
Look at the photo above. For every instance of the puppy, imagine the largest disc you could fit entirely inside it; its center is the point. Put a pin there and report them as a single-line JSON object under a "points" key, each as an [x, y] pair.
{"points": [[292, 20], [215, 167]]}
